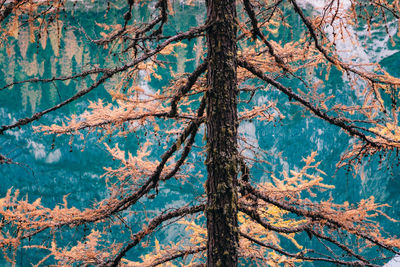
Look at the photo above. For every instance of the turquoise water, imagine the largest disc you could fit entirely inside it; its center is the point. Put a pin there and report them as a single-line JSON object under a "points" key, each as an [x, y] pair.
{"points": [[50, 167]]}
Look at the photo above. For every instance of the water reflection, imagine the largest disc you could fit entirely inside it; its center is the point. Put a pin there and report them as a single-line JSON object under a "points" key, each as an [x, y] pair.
{"points": [[79, 166]]}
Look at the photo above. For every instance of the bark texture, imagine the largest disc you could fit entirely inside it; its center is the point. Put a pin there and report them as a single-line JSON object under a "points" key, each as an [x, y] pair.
{"points": [[222, 124]]}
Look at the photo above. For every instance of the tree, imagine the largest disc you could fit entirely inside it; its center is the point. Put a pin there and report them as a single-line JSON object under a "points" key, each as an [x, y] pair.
{"points": [[244, 219]]}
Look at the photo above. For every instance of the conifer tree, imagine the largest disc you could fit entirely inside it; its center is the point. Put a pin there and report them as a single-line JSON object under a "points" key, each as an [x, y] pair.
{"points": [[237, 220]]}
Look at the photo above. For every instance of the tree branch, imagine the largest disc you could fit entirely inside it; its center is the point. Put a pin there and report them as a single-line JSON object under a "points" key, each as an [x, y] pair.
{"points": [[314, 216], [38, 115], [59, 78], [257, 32], [150, 183], [108, 73], [333, 60], [338, 244], [351, 129], [179, 254], [191, 80], [189, 144], [154, 223], [256, 217], [163, 5], [306, 258], [127, 18]]}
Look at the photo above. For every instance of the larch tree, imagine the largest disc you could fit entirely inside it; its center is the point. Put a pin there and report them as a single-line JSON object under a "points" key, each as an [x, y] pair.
{"points": [[244, 219]]}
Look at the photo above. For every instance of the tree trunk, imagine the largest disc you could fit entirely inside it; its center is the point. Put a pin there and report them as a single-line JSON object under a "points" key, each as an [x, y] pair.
{"points": [[222, 123]]}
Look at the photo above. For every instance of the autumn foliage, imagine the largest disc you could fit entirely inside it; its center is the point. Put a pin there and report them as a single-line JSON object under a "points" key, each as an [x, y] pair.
{"points": [[273, 217]]}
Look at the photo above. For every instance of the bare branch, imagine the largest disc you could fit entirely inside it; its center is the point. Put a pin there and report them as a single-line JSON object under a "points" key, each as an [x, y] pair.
{"points": [[189, 144], [191, 80], [127, 18], [163, 5], [5, 160], [337, 243], [59, 78], [38, 115]]}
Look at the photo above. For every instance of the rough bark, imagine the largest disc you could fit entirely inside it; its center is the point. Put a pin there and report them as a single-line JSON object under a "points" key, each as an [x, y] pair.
{"points": [[222, 123]]}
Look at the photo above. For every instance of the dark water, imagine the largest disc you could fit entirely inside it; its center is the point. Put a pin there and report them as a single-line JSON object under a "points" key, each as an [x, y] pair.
{"points": [[51, 167]]}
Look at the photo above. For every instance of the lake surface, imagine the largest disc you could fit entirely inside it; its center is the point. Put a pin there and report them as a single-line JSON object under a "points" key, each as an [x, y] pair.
{"points": [[51, 167]]}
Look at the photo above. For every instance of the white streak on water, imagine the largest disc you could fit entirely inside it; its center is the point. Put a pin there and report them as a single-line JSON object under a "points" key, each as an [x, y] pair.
{"points": [[54, 156], [38, 150], [248, 131]]}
